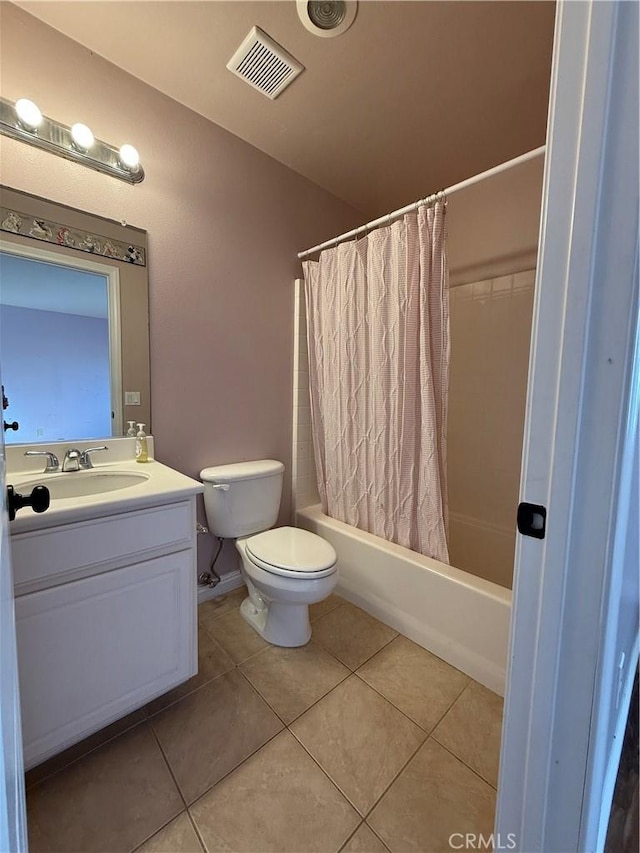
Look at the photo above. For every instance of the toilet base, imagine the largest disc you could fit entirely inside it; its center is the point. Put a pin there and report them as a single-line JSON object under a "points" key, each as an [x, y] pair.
{"points": [[279, 624]]}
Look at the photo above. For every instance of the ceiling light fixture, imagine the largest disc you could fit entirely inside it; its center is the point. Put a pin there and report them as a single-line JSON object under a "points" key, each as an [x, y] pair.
{"points": [[327, 18], [24, 121]]}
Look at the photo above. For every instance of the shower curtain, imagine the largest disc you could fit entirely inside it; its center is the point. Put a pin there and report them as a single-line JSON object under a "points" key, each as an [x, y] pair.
{"points": [[378, 340]]}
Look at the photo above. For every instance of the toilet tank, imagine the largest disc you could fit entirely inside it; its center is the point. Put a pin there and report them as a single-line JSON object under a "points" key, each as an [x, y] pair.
{"points": [[242, 498]]}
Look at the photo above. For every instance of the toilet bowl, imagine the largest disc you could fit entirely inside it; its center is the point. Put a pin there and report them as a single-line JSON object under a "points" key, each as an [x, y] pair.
{"points": [[285, 569]]}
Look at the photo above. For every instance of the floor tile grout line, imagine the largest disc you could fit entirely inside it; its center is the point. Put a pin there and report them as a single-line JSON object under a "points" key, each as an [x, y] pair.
{"points": [[401, 636], [184, 695], [366, 660], [228, 653], [156, 831], [168, 763], [246, 758], [375, 833], [197, 831], [150, 716], [351, 836], [330, 778], [232, 592], [323, 771], [393, 705], [326, 612], [313, 704], [462, 761], [260, 696], [397, 776], [471, 681], [373, 654], [233, 769], [326, 695]]}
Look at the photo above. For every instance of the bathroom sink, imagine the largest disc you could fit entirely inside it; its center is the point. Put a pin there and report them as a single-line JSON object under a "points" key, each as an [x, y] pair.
{"points": [[84, 483]]}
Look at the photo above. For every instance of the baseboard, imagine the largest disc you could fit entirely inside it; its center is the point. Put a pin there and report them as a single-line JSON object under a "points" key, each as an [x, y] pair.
{"points": [[228, 582]]}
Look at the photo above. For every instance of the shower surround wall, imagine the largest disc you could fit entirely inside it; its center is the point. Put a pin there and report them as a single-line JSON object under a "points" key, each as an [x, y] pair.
{"points": [[224, 221], [490, 333]]}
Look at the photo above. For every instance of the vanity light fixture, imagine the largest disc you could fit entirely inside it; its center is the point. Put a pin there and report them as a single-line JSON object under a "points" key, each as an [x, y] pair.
{"points": [[23, 120]]}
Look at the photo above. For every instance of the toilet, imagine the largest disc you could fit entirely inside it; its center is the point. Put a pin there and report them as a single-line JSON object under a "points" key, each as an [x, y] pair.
{"points": [[285, 569]]}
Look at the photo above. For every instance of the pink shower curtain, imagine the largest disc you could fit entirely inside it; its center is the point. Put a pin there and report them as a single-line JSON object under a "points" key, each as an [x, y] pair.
{"points": [[378, 335]]}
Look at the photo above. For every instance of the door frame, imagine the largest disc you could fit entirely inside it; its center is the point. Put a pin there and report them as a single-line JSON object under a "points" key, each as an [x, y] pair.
{"points": [[13, 823], [579, 426]]}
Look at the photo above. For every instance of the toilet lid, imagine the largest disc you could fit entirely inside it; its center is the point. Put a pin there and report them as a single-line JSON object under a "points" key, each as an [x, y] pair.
{"points": [[289, 550]]}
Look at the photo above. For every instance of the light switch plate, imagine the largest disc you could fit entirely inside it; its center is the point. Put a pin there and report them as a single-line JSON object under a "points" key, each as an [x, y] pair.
{"points": [[132, 398]]}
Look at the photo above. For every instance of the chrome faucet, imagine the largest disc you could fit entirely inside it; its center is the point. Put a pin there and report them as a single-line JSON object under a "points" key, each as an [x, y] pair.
{"points": [[53, 466], [76, 460], [71, 461]]}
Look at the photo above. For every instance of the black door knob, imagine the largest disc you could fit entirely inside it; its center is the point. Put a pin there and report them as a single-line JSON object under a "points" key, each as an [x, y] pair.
{"points": [[38, 500], [13, 425]]}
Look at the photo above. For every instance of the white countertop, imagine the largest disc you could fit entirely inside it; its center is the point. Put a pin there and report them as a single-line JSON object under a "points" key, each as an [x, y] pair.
{"points": [[164, 485]]}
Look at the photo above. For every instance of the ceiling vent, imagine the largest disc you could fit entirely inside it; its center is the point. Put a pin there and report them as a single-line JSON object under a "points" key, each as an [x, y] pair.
{"points": [[327, 18], [263, 64]]}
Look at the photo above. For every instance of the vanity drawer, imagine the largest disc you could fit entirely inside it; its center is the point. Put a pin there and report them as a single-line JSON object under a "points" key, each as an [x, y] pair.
{"points": [[61, 554]]}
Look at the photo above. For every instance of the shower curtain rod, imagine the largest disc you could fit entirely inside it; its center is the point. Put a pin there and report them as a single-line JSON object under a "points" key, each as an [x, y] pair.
{"points": [[517, 161]]}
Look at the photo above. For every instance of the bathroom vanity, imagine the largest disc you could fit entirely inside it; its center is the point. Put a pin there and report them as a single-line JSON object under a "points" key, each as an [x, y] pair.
{"points": [[105, 595]]}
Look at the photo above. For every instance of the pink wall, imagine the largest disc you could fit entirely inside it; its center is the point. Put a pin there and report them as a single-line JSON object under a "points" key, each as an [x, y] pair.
{"points": [[225, 222]]}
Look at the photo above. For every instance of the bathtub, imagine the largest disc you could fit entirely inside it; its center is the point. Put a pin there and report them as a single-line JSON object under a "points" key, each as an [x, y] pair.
{"points": [[460, 618]]}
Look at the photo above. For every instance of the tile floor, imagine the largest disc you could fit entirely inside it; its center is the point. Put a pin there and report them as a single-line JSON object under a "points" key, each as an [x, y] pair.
{"points": [[360, 742]]}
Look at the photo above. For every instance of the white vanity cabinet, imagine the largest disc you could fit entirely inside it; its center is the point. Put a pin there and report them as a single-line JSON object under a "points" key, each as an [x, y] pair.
{"points": [[105, 618]]}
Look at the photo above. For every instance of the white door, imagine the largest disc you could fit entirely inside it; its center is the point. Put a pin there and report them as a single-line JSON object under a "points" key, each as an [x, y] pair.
{"points": [[574, 647], [13, 834]]}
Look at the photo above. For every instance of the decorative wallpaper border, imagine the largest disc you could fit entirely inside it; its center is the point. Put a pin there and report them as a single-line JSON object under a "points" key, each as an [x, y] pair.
{"points": [[14, 222]]}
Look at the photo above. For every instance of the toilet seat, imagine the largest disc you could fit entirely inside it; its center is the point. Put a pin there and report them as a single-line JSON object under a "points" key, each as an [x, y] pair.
{"points": [[291, 552]]}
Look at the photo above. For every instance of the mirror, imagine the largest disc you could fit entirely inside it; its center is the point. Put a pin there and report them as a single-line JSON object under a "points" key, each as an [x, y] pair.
{"points": [[74, 322]]}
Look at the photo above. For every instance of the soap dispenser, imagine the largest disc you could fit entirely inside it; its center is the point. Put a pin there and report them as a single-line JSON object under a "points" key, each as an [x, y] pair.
{"points": [[142, 450], [131, 432]]}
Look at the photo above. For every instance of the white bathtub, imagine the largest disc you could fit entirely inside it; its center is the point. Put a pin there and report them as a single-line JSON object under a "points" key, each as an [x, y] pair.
{"points": [[457, 616]]}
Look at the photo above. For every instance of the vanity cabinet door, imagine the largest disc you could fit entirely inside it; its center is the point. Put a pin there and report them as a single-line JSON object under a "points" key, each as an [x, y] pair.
{"points": [[93, 650]]}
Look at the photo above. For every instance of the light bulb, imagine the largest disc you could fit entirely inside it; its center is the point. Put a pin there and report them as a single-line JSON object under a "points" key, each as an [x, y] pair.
{"points": [[28, 113], [129, 157], [82, 136]]}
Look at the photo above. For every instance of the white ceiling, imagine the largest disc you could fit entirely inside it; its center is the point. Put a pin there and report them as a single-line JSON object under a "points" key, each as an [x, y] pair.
{"points": [[413, 97]]}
